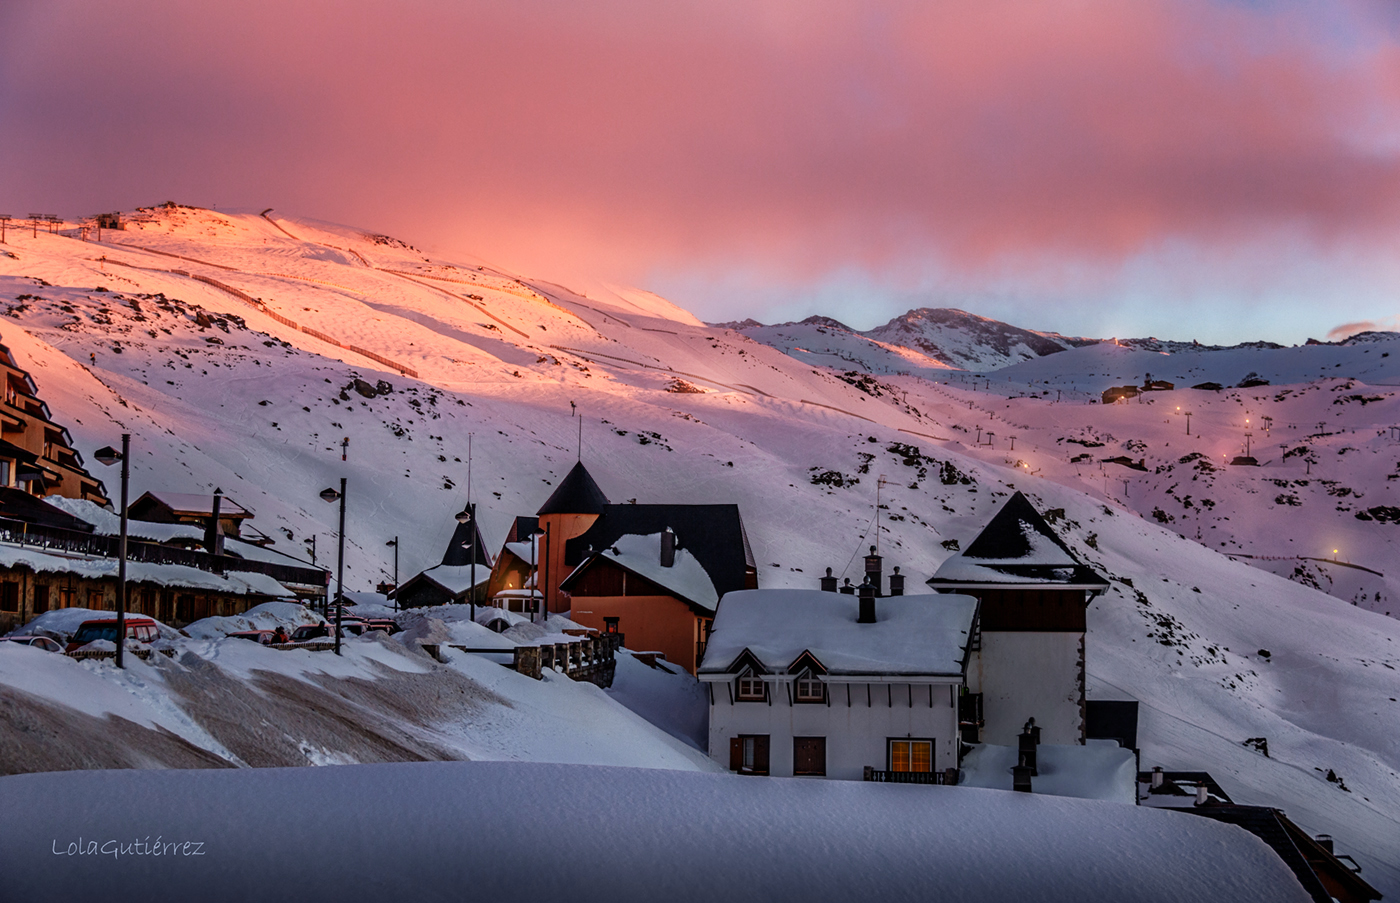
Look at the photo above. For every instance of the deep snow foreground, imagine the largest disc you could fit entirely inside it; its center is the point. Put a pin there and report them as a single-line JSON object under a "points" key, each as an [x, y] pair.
{"points": [[510, 831], [220, 394]]}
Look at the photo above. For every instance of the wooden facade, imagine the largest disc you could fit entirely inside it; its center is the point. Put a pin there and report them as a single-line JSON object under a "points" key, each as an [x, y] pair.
{"points": [[611, 599], [36, 454], [25, 594]]}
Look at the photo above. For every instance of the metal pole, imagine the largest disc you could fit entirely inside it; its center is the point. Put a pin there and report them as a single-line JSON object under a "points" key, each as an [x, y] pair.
{"points": [[396, 573], [534, 575], [121, 556], [472, 592], [544, 599], [340, 568]]}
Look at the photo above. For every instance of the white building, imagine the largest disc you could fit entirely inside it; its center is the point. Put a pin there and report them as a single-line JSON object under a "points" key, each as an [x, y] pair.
{"points": [[803, 682], [1034, 593]]}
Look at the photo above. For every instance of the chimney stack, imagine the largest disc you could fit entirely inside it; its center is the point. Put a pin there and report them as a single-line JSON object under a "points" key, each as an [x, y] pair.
{"points": [[1158, 778], [847, 588], [1026, 749], [1021, 778], [828, 582], [213, 535], [1202, 795], [867, 604], [896, 582], [874, 570], [1325, 841], [668, 549]]}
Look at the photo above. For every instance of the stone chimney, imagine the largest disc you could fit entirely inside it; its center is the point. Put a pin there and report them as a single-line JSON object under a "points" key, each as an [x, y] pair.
{"points": [[668, 549], [867, 604], [828, 582], [874, 570], [896, 582]]}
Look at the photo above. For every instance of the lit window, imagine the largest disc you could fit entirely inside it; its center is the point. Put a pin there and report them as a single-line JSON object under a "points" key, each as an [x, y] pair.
{"points": [[750, 687], [911, 755]]}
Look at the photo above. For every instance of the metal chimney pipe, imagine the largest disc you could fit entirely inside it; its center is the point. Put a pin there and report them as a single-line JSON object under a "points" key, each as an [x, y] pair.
{"points": [[1157, 777], [1202, 795], [668, 549], [867, 604]]}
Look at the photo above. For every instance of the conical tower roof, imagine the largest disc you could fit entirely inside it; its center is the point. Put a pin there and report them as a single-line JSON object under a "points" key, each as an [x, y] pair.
{"points": [[578, 494], [1008, 535]]}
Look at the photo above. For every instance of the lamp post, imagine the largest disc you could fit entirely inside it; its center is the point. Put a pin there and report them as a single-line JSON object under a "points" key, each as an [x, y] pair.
{"points": [[110, 456], [395, 544], [468, 516], [330, 495]]}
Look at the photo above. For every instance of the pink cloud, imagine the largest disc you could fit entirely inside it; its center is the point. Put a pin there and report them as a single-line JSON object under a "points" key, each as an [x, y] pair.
{"points": [[798, 138]]}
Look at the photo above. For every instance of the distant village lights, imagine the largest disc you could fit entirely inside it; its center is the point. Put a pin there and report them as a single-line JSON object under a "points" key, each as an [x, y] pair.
{"points": [[109, 456]]}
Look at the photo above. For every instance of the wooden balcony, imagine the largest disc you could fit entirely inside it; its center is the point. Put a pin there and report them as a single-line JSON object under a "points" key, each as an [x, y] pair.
{"points": [[947, 776]]}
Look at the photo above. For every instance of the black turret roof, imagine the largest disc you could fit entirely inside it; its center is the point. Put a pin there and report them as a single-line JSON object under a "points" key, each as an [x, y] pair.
{"points": [[459, 548], [1003, 553], [714, 534], [577, 494]]}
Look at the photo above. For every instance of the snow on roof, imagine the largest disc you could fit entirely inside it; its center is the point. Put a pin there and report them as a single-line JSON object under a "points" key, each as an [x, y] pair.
{"points": [[1017, 546], [106, 523], [913, 635], [457, 578], [686, 577], [240, 583], [198, 503], [1099, 770]]}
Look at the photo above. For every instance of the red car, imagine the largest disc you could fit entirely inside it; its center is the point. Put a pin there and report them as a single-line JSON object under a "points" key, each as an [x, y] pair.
{"points": [[143, 629]]}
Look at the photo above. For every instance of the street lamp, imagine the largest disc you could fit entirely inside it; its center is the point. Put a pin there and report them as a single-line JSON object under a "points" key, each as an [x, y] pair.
{"points": [[330, 495], [395, 544], [109, 456], [468, 516]]}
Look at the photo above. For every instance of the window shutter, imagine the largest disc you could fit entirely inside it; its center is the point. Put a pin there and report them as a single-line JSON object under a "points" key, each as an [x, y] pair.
{"points": [[760, 754], [736, 753]]}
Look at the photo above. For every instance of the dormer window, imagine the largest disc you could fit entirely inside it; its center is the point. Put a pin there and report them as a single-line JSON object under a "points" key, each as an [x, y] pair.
{"points": [[750, 687], [809, 688]]}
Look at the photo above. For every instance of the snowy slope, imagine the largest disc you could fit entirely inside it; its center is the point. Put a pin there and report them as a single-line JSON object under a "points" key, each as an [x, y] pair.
{"points": [[261, 413], [511, 831]]}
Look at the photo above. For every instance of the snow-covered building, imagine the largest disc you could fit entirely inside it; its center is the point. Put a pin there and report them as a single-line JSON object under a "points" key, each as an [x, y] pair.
{"points": [[656, 573], [63, 554], [803, 682], [466, 564], [651, 572], [160, 507], [36, 454], [1030, 645]]}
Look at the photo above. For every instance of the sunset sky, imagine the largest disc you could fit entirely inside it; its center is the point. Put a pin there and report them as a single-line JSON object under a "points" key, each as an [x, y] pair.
{"points": [[1223, 171]]}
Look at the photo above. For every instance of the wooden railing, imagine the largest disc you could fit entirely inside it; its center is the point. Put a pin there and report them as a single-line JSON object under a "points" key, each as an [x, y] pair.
{"points": [[947, 776], [102, 546]]}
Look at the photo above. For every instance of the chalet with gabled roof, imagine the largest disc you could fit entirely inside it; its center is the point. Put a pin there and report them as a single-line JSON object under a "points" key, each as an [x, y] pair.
{"points": [[1034, 593], [462, 575], [823, 684]]}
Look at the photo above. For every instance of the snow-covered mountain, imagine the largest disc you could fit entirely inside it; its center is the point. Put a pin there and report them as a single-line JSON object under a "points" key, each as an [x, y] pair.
{"points": [[230, 345], [917, 342]]}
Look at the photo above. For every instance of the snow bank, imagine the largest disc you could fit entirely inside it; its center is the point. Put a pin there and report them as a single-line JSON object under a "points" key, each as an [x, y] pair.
{"points": [[537, 832], [267, 616], [1099, 770]]}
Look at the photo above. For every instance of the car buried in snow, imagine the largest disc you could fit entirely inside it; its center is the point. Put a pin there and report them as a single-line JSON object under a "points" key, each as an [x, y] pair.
{"points": [[38, 642], [141, 629], [261, 637]]}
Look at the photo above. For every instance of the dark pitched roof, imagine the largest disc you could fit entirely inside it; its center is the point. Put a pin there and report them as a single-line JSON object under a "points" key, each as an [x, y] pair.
{"points": [[20, 505], [459, 548], [1006, 552], [714, 534], [577, 494]]}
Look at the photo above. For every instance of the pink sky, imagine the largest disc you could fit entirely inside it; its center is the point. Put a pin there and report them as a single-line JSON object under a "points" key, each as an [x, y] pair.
{"points": [[1225, 169]]}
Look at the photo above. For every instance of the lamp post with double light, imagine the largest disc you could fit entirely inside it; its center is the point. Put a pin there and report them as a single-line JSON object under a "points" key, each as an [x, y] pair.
{"points": [[109, 456], [330, 495]]}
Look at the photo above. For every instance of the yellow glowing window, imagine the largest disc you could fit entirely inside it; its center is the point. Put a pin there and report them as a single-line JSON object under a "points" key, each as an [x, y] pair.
{"points": [[911, 755]]}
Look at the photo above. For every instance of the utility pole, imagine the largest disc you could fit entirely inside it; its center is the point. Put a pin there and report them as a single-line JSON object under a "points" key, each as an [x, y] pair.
{"points": [[4, 218]]}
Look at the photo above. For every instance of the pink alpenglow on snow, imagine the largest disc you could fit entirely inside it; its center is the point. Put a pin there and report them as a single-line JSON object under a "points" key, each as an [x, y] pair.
{"points": [[518, 831]]}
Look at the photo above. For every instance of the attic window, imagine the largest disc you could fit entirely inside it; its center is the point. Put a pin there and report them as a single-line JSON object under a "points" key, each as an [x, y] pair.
{"points": [[810, 688], [750, 687]]}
